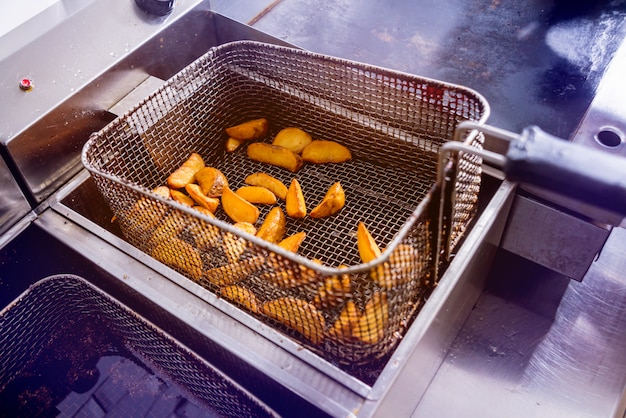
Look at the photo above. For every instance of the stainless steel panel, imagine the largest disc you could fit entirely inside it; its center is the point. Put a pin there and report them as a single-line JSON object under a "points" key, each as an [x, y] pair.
{"points": [[553, 238], [13, 204]]}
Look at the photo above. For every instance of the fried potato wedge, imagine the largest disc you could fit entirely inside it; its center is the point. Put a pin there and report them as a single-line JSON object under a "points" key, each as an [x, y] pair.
{"points": [[182, 198], [298, 315], [212, 181], [162, 191], [333, 291], [168, 228], [257, 194], [271, 183], [333, 202], [291, 276], [237, 208], [321, 152], [181, 256], [345, 324], [186, 172], [372, 323], [292, 138], [232, 144], [368, 249], [294, 203], [274, 155], [233, 273], [274, 226], [402, 266], [249, 130], [241, 296], [292, 243], [235, 246], [195, 192]]}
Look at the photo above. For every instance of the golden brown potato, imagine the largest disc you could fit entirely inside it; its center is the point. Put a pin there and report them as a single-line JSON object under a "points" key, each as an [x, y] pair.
{"points": [[403, 266], [290, 276], [212, 181], [333, 202], [186, 172], [232, 144], [237, 208], [162, 191], [333, 291], [372, 323], [294, 139], [274, 226], [292, 243], [320, 152], [234, 246], [368, 249], [181, 256], [257, 194], [182, 198], [265, 180], [345, 324], [241, 296], [299, 315], [294, 203], [195, 192], [274, 155], [249, 130], [233, 273]]}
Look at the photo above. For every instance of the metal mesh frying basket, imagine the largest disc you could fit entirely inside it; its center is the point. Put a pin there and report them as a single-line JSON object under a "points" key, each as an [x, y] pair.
{"points": [[323, 296], [62, 323]]}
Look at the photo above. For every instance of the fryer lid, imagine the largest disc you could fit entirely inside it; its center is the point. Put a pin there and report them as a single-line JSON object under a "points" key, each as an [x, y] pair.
{"points": [[393, 123]]}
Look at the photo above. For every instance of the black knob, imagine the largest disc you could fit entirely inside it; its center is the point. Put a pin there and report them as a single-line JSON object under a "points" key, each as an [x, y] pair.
{"points": [[156, 7]]}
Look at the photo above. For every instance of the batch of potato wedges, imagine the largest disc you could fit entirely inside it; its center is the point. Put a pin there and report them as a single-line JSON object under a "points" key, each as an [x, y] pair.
{"points": [[206, 189]]}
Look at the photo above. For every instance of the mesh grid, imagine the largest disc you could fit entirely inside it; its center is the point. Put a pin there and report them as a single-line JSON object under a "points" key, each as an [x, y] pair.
{"points": [[31, 323], [393, 123]]}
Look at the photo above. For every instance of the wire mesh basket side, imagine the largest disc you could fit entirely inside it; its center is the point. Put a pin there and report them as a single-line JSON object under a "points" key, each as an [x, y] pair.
{"points": [[52, 305]]}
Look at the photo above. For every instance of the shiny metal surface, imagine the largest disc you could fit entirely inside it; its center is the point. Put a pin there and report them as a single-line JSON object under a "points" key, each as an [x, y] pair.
{"points": [[13, 203], [538, 345], [506, 337]]}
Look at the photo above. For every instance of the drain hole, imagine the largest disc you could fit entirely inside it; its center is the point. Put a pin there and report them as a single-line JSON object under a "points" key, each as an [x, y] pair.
{"points": [[609, 137]]}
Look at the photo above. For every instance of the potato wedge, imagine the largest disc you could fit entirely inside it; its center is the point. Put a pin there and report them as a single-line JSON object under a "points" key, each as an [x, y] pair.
{"points": [[182, 198], [249, 130], [181, 256], [298, 315], [186, 172], [195, 192], [345, 324], [288, 277], [274, 226], [232, 144], [241, 296], [257, 194], [321, 152], [233, 273], [333, 291], [162, 191], [333, 202], [292, 243], [274, 155], [372, 323], [294, 203], [292, 138], [237, 208], [402, 267], [265, 180], [368, 249], [234, 246], [212, 181]]}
